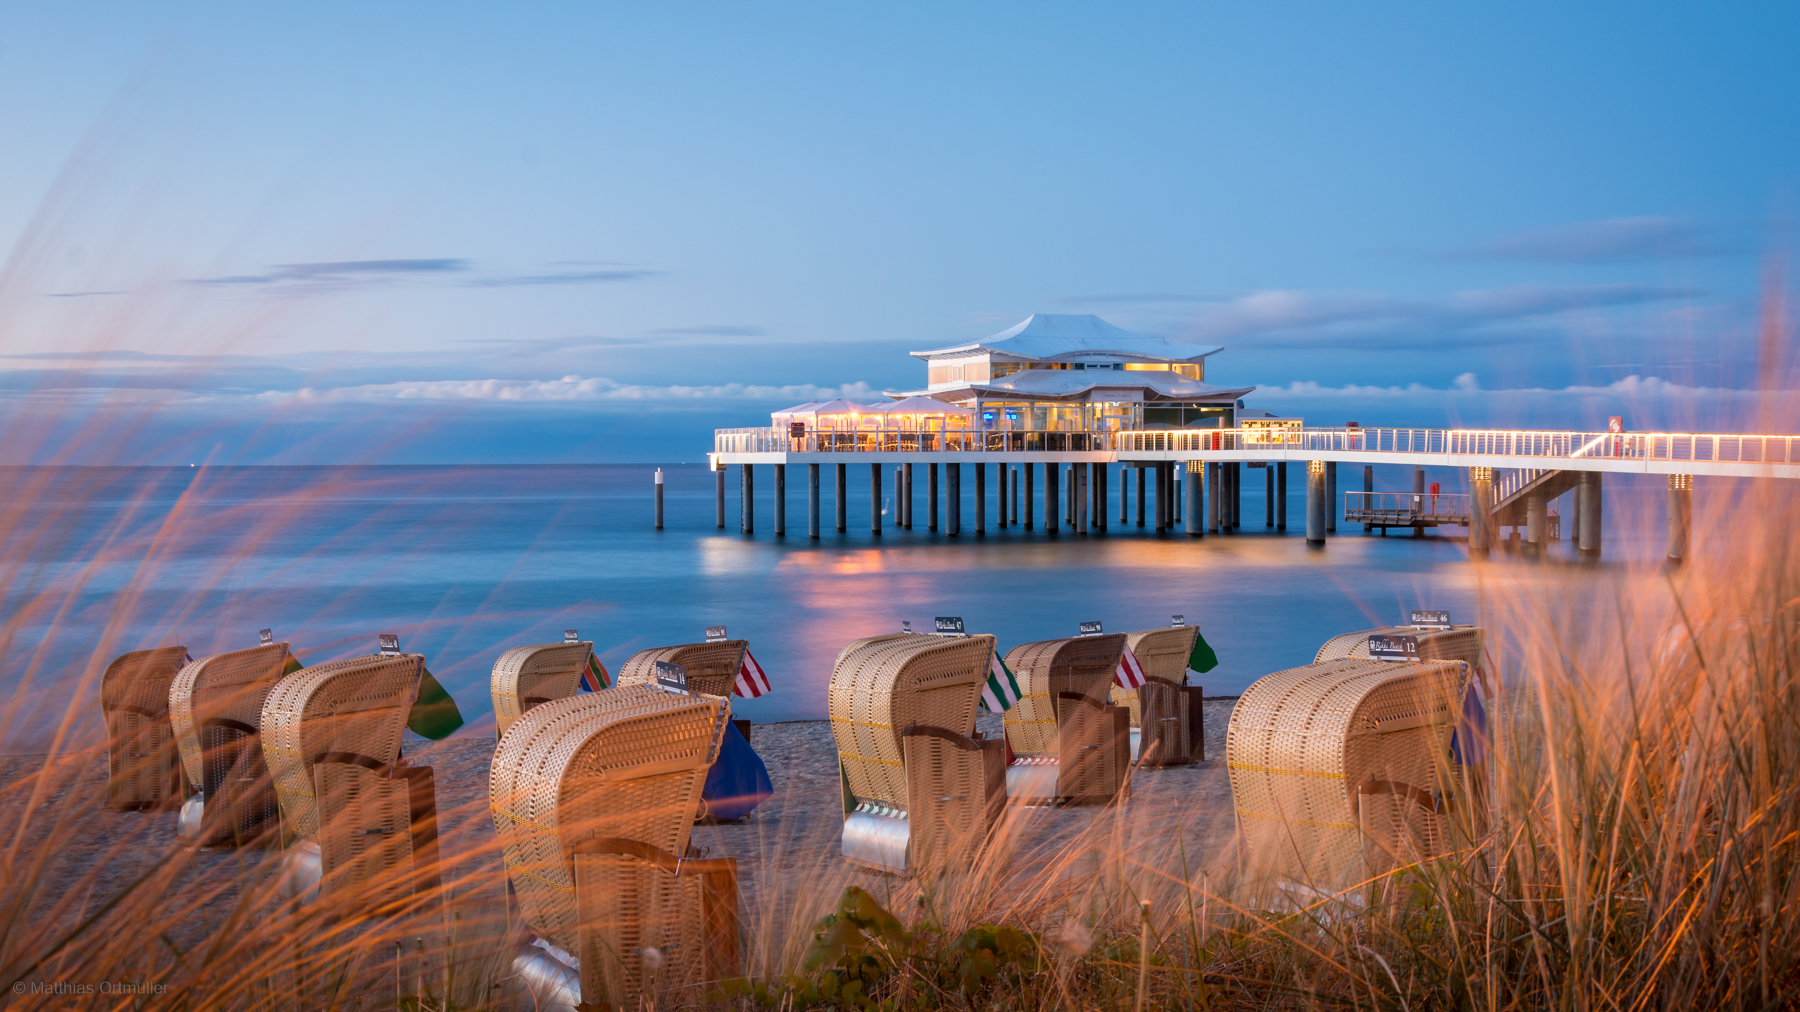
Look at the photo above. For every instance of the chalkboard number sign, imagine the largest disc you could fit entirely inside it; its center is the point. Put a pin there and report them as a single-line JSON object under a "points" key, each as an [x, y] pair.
{"points": [[715, 634], [1394, 648], [265, 636], [1430, 620], [671, 677], [906, 627], [570, 636], [1090, 628], [949, 625], [390, 644], [1178, 620]]}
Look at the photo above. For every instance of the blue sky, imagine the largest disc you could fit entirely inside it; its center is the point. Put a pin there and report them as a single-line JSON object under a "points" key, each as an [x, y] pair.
{"points": [[442, 233]]}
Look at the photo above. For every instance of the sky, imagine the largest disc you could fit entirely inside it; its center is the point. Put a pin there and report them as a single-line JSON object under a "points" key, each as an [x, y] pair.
{"points": [[446, 233]]}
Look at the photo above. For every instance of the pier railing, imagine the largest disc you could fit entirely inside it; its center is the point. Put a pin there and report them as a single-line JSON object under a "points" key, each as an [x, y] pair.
{"points": [[1401, 509], [1652, 446]]}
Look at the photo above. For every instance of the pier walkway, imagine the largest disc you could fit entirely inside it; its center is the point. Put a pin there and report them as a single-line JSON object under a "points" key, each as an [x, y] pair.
{"points": [[1514, 474]]}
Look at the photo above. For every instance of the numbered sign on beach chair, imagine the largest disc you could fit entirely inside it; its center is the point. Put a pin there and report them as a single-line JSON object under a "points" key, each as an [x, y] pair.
{"points": [[920, 788], [593, 798], [1069, 742], [711, 667], [1167, 726], [142, 768], [527, 676], [331, 736], [215, 707], [1340, 769]]}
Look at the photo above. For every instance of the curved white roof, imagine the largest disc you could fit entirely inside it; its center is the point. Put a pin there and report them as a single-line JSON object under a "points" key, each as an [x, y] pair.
{"points": [[1059, 336]]}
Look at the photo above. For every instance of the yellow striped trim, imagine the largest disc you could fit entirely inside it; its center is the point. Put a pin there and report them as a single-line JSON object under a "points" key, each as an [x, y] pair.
{"points": [[510, 817], [1321, 774], [1298, 822], [861, 723], [866, 759], [288, 790], [539, 879], [1046, 720]]}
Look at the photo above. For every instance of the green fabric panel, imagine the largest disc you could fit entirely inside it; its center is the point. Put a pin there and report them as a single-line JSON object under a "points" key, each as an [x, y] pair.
{"points": [[1202, 659], [434, 714]]}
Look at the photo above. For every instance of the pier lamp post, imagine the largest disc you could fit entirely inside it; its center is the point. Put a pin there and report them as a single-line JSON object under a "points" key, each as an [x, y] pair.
{"points": [[1315, 503]]}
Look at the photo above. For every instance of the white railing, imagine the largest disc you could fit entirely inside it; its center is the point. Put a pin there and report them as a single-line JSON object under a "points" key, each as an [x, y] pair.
{"points": [[1406, 507], [1511, 482], [1548, 446]]}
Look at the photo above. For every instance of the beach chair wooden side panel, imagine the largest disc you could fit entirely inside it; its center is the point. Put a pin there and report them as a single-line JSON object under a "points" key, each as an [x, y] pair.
{"points": [[365, 835], [634, 899], [1095, 750], [948, 817], [143, 764], [525, 676], [357, 706], [1164, 725], [1030, 725], [1403, 779], [1163, 653], [226, 692]]}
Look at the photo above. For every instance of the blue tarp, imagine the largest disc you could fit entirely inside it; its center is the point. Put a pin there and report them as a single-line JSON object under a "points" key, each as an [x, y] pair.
{"points": [[738, 782]]}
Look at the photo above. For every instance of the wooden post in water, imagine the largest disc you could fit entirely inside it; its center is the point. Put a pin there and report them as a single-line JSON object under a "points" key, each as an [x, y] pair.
{"points": [[1175, 470], [1015, 495], [1418, 497], [1030, 494], [843, 498], [1100, 474], [953, 499], [1140, 490], [1213, 498], [1124, 495], [1681, 513], [1369, 486], [909, 497], [1052, 497], [875, 499], [1588, 505], [1268, 494], [1281, 496], [1331, 497], [659, 484], [931, 497], [1079, 492], [1315, 503], [719, 480], [980, 499], [812, 501], [747, 504], [1000, 496], [781, 500]]}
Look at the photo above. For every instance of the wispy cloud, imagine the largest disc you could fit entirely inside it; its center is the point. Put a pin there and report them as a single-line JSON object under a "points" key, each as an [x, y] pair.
{"points": [[79, 295], [565, 389], [1281, 317], [336, 274], [713, 330], [1614, 240], [1467, 385], [590, 277]]}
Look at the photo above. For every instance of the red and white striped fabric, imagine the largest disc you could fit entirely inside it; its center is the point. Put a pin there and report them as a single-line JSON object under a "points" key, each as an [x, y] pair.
{"points": [[751, 682], [1130, 674]]}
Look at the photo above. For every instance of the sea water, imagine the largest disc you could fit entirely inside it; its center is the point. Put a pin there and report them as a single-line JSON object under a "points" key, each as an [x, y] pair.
{"points": [[465, 562]]}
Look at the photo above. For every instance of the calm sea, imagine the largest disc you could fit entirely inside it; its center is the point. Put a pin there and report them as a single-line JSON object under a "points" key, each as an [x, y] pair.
{"points": [[465, 562]]}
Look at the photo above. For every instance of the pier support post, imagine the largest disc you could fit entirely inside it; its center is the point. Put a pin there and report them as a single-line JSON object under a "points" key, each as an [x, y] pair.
{"points": [[1331, 497], [1014, 484], [1418, 501], [931, 497], [1236, 502], [1315, 503], [1080, 491], [1052, 497], [843, 498], [953, 499], [1100, 475], [1481, 510], [907, 481], [1162, 521], [747, 504], [1069, 493], [1175, 486], [1281, 496], [980, 499], [875, 499], [1030, 494], [1537, 523], [1196, 511], [1588, 505], [1368, 486], [719, 480], [1681, 515], [1140, 491], [1212, 498], [1124, 495], [1000, 496], [1268, 471], [812, 501], [659, 498], [781, 500]]}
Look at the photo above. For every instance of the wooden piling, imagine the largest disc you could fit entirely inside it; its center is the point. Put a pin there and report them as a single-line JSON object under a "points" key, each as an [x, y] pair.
{"points": [[812, 501], [659, 499]]}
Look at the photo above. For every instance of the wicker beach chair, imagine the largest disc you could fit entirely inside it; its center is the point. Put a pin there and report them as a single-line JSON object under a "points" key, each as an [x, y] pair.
{"points": [[331, 737], [526, 676], [1167, 720], [142, 769], [711, 667], [920, 789], [1069, 743], [215, 707], [593, 798], [1457, 643], [1338, 769]]}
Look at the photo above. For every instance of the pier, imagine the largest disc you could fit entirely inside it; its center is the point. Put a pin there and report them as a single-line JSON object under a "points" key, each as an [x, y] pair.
{"points": [[1513, 475]]}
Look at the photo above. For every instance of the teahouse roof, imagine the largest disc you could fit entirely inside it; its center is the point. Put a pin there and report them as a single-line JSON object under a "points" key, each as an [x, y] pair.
{"points": [[1044, 336]]}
